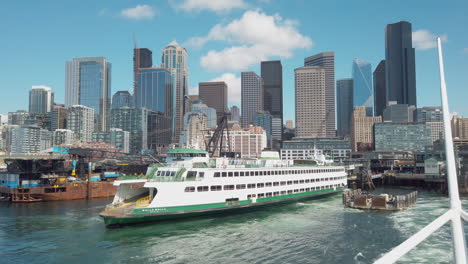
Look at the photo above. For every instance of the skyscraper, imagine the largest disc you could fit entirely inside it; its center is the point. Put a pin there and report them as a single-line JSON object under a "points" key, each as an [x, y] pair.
{"points": [[344, 105], [235, 113], [380, 92], [326, 60], [363, 90], [214, 95], [251, 96], [142, 58], [264, 119], [272, 75], [135, 121], [310, 85], [88, 83], [154, 90], [122, 99], [174, 58], [80, 120], [400, 68], [58, 117], [362, 136], [41, 99]]}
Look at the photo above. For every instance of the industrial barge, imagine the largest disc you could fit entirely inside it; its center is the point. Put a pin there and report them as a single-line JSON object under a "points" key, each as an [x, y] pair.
{"points": [[192, 184]]}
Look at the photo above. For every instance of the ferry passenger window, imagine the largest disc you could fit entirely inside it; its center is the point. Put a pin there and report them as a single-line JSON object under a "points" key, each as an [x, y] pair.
{"points": [[283, 192], [283, 183], [296, 190], [302, 190], [202, 188], [256, 173], [296, 182], [228, 187], [191, 174], [201, 174], [236, 174], [173, 173], [158, 173], [249, 196], [189, 189], [230, 174], [240, 186], [275, 193], [216, 174], [268, 184], [276, 184], [241, 173], [307, 181], [268, 194], [301, 181], [260, 185], [224, 174], [216, 188], [289, 182], [307, 189], [261, 195], [261, 173], [251, 186], [290, 191], [247, 173], [276, 172]]}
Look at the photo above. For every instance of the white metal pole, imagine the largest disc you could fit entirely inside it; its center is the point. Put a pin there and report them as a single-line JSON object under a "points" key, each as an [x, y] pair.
{"points": [[458, 234]]}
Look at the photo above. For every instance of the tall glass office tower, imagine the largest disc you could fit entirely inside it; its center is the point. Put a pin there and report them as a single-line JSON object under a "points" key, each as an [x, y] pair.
{"points": [[154, 90], [41, 99], [272, 75], [88, 83], [363, 89]]}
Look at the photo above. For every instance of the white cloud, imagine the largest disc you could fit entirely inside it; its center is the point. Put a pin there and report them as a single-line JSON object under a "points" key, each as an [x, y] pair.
{"points": [[234, 87], [139, 12], [218, 6], [424, 39], [258, 37]]}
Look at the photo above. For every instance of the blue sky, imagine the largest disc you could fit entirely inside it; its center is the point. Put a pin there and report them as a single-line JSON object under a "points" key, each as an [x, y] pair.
{"points": [[223, 38]]}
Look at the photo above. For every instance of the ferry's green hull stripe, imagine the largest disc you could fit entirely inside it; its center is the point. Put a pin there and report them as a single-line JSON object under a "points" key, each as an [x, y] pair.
{"points": [[165, 213]]}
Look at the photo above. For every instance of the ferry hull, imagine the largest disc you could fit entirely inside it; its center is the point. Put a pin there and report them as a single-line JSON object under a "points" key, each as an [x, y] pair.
{"points": [[212, 209]]}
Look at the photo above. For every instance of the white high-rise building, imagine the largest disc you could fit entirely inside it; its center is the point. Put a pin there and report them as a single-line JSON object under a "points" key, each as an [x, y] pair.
{"points": [[29, 139], [174, 58], [41, 99], [80, 120], [311, 118], [251, 96], [63, 137]]}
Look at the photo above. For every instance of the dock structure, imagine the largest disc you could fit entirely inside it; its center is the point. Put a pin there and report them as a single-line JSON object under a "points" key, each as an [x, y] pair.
{"points": [[359, 200]]}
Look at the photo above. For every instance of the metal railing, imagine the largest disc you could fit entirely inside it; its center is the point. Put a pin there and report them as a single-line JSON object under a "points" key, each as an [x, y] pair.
{"points": [[455, 214]]}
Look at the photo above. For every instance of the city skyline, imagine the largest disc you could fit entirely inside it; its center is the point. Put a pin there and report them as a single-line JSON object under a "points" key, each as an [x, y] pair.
{"points": [[117, 46]]}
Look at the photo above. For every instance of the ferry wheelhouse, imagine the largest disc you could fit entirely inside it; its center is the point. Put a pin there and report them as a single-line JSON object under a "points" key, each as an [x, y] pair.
{"points": [[192, 184]]}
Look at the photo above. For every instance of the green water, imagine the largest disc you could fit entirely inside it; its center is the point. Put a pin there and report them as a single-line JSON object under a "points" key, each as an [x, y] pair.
{"points": [[316, 231]]}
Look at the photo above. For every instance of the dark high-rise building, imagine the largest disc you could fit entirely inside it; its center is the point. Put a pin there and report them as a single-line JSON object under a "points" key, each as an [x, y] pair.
{"points": [[154, 90], [58, 117], [272, 75], [400, 68], [380, 93], [142, 58], [122, 99], [344, 105], [326, 60], [214, 95]]}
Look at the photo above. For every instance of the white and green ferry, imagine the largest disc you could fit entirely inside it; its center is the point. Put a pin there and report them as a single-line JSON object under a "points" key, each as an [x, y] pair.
{"points": [[193, 184]]}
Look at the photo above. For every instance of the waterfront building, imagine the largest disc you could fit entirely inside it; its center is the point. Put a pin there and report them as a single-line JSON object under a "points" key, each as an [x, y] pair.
{"points": [[272, 75], [460, 127], [41, 99], [344, 105], [135, 121], [437, 130], [362, 129], [200, 106], [142, 58], [326, 60], [29, 139], [80, 120], [63, 137], [154, 90], [18, 117], [214, 95], [363, 91], [380, 92], [196, 125], [174, 58], [400, 68], [304, 148], [159, 131], [265, 119], [116, 137], [248, 142], [398, 113], [235, 114], [122, 99], [88, 83], [429, 114], [391, 136], [310, 97], [58, 117]]}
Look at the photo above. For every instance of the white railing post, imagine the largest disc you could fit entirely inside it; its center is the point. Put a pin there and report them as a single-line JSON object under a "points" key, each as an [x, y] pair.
{"points": [[458, 234]]}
